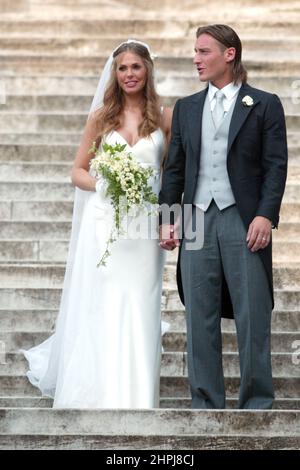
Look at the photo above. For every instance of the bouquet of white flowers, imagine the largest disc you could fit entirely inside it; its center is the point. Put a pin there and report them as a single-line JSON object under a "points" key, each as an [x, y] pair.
{"points": [[126, 181]]}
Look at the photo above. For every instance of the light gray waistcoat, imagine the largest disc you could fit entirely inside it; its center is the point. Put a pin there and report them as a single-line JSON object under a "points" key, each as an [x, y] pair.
{"points": [[213, 181]]}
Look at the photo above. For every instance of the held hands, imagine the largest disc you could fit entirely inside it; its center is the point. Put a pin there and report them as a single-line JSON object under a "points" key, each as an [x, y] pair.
{"points": [[168, 237], [259, 233]]}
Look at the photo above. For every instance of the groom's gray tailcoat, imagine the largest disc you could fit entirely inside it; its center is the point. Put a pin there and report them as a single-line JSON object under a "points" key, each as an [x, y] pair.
{"points": [[256, 163]]}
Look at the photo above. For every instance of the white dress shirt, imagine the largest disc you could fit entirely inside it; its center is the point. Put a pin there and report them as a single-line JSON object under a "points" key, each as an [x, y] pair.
{"points": [[230, 94]]}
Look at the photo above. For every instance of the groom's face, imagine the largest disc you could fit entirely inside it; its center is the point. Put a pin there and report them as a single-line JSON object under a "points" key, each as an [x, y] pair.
{"points": [[211, 59]]}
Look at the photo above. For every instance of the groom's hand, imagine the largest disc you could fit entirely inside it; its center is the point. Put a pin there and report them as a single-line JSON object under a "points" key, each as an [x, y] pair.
{"points": [[259, 233], [168, 237]]}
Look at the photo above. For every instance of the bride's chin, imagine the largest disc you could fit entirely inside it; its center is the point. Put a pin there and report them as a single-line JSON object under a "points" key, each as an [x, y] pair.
{"points": [[132, 91]]}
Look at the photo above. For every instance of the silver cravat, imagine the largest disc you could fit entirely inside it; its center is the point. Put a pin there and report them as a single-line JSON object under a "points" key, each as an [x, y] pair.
{"points": [[218, 111]]}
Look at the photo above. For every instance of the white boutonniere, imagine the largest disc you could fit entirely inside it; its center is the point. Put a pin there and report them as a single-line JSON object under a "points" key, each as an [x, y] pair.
{"points": [[247, 101]]}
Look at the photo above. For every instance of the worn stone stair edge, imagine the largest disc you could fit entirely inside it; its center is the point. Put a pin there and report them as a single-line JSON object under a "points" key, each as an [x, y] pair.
{"points": [[150, 422], [170, 386], [96, 442], [78, 114], [98, 59], [183, 402]]}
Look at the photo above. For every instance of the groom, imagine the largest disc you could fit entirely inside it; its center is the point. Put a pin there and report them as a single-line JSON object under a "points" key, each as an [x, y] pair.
{"points": [[228, 158]]}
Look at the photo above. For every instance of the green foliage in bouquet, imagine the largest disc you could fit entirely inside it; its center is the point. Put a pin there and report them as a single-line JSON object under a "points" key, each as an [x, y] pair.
{"points": [[127, 183]]}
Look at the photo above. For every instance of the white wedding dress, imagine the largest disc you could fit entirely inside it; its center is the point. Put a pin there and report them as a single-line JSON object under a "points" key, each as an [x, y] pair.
{"points": [[106, 349]]}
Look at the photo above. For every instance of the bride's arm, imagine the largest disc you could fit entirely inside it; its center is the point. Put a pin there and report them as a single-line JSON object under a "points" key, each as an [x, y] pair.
{"points": [[167, 122], [80, 171]]}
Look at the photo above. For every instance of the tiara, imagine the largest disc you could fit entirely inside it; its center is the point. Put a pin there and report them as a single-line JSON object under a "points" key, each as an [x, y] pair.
{"points": [[153, 56]]}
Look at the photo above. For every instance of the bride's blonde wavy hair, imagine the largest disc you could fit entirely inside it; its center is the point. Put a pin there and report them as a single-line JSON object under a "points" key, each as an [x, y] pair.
{"points": [[108, 117]]}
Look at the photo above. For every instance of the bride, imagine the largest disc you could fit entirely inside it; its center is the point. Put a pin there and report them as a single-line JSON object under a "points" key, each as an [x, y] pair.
{"points": [[106, 349]]}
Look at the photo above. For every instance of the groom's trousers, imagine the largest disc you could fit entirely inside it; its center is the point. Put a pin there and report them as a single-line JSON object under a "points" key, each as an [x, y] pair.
{"points": [[225, 251]]}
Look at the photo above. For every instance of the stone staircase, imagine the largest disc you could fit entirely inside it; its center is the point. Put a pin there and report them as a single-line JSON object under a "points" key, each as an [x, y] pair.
{"points": [[49, 71]]}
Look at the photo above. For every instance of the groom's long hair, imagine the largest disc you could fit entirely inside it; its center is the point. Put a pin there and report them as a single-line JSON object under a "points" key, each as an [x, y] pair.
{"points": [[227, 37]]}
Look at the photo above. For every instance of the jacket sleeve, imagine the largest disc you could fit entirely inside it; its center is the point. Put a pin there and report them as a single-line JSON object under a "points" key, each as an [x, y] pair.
{"points": [[174, 170], [274, 161]]}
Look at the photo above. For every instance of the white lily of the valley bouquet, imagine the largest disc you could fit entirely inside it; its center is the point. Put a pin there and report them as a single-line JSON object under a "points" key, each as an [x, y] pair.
{"points": [[125, 180]]}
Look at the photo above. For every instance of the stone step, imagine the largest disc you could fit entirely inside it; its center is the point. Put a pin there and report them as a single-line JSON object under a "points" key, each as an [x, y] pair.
{"points": [[282, 342], [47, 153], [186, 84], [42, 138], [57, 172], [44, 210], [75, 103], [288, 231], [151, 429], [25, 215], [40, 188], [284, 299], [170, 386], [32, 230], [174, 363], [46, 123], [178, 387], [177, 403], [44, 320], [290, 254], [253, 47], [75, 87], [29, 63], [292, 191], [39, 298], [293, 174], [73, 138], [147, 28], [284, 276], [238, 11], [87, 27], [36, 171], [158, 422], [38, 250], [38, 210], [55, 250], [290, 211], [40, 320], [37, 190], [43, 402], [65, 153], [35, 230], [171, 402], [98, 442], [43, 275]]}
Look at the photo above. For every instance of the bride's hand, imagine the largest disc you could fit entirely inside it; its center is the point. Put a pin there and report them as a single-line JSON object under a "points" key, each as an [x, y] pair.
{"points": [[168, 237]]}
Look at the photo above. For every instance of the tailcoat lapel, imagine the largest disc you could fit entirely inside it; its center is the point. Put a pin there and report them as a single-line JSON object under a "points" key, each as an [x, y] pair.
{"points": [[240, 113], [195, 113]]}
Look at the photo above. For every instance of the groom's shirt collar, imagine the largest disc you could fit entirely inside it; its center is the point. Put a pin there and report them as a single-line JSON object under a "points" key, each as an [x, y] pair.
{"points": [[230, 91]]}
